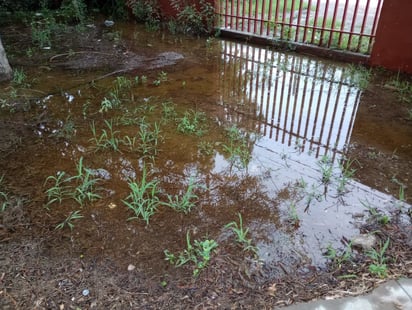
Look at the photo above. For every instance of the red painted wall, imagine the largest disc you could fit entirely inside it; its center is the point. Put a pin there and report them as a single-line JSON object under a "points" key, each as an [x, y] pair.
{"points": [[393, 45]]}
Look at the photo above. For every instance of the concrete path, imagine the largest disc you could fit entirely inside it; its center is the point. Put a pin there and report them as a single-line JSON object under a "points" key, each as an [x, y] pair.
{"points": [[393, 295]]}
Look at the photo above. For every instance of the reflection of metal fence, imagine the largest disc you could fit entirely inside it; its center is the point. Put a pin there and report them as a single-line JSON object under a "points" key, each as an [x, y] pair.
{"points": [[298, 101], [342, 24]]}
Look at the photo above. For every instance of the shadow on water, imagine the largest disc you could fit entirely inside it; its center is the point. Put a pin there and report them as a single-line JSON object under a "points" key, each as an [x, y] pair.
{"points": [[261, 133]]}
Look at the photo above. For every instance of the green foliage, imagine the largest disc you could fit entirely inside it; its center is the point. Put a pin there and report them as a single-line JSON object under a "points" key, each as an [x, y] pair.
{"points": [[60, 189], [4, 196], [149, 139], [357, 75], [86, 189], [206, 148], [143, 199], [75, 215], [241, 234], [326, 166], [192, 18], [199, 254], [19, 78], [66, 130], [146, 11], [168, 111], [192, 123], [183, 203], [73, 11], [81, 187], [378, 266], [375, 214], [347, 172], [108, 139], [237, 148], [339, 258]]}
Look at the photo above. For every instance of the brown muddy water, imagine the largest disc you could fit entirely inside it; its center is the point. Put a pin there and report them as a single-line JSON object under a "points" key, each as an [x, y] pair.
{"points": [[293, 143]]}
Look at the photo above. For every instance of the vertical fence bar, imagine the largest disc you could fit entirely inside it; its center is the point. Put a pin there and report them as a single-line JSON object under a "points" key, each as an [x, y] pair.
{"points": [[275, 27], [352, 28], [343, 24], [299, 20], [262, 19], [362, 30], [333, 31], [315, 22], [325, 18], [282, 30], [291, 17], [269, 17], [237, 13], [307, 21], [375, 23], [256, 16], [249, 14]]}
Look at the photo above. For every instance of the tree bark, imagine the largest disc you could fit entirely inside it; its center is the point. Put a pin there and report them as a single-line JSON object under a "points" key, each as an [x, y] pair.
{"points": [[5, 70]]}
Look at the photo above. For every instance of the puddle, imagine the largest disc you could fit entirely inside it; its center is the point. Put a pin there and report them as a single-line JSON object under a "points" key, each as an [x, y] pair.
{"points": [[267, 135]]}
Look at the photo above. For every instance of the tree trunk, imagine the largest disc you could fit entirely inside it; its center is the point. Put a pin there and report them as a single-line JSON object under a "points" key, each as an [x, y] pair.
{"points": [[5, 70]]}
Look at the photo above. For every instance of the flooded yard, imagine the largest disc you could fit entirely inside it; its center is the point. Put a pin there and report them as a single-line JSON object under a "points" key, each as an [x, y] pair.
{"points": [[147, 170]]}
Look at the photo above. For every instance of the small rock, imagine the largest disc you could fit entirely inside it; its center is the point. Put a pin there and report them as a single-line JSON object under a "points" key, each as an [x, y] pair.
{"points": [[108, 23], [364, 241], [85, 292], [131, 267]]}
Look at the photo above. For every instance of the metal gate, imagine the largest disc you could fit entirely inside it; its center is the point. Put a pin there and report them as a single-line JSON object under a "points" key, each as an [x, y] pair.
{"points": [[348, 25]]}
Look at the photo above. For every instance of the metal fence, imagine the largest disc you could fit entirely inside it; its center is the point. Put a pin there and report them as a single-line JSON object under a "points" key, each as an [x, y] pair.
{"points": [[295, 100], [339, 24]]}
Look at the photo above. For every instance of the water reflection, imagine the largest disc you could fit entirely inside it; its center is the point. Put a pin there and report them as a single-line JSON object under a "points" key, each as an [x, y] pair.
{"points": [[297, 101]]}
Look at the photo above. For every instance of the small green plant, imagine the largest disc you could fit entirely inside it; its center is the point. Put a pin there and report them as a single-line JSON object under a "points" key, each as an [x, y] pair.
{"points": [[199, 254], [237, 148], [347, 172], [326, 168], [161, 77], [375, 214], [192, 19], [19, 77], [60, 190], [4, 196], [75, 215], [86, 189], [293, 215], [81, 187], [192, 123], [122, 83], [378, 266], [112, 102], [149, 139], [143, 199], [183, 203], [205, 148], [65, 131], [403, 89], [339, 258], [358, 76], [168, 111], [241, 234], [108, 139]]}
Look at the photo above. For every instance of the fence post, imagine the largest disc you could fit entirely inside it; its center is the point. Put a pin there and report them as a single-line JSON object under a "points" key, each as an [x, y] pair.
{"points": [[393, 43]]}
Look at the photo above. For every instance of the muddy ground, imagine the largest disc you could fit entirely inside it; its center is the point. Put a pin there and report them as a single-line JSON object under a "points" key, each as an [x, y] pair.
{"points": [[45, 268]]}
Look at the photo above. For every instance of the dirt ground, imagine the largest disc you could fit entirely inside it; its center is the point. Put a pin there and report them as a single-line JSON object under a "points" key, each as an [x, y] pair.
{"points": [[42, 269]]}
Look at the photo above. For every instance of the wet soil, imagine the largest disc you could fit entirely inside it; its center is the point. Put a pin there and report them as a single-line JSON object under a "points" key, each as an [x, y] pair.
{"points": [[109, 262]]}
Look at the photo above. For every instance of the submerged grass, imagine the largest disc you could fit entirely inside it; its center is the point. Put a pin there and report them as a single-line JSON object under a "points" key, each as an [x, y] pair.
{"points": [[143, 199]]}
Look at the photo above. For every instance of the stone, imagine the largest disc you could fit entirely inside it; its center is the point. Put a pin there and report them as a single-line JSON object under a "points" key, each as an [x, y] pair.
{"points": [[364, 241], [5, 69]]}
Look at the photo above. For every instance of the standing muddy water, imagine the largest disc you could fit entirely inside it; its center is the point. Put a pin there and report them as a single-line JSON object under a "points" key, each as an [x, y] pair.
{"points": [[304, 149]]}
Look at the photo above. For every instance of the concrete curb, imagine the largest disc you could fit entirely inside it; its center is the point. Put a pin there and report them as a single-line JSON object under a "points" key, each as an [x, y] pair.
{"points": [[393, 295]]}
